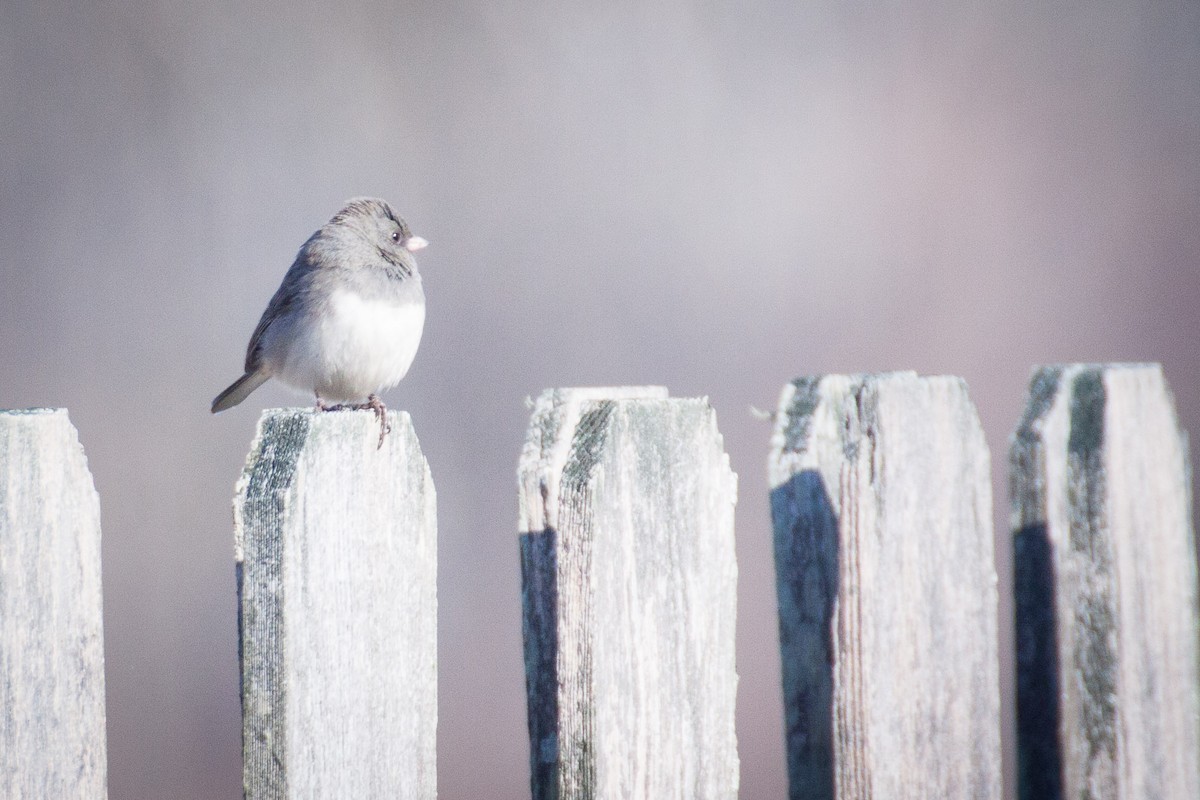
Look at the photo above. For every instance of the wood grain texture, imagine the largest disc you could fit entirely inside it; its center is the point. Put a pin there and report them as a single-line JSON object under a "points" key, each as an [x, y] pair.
{"points": [[1105, 560], [336, 546], [629, 587], [52, 739], [881, 503]]}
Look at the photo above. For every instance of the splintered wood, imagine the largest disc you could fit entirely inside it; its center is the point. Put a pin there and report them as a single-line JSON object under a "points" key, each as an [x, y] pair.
{"points": [[336, 545], [629, 587], [1105, 581], [52, 739], [882, 508]]}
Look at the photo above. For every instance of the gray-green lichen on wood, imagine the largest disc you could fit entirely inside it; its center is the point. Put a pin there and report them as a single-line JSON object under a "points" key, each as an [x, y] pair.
{"points": [[881, 503], [52, 739], [336, 547], [629, 587], [1108, 671]]}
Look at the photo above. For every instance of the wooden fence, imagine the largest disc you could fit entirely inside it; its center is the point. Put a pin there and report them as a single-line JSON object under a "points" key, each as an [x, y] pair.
{"points": [[880, 495]]}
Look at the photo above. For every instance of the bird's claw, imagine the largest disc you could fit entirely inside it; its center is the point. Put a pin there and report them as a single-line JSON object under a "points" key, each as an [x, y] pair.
{"points": [[339, 407], [374, 404]]}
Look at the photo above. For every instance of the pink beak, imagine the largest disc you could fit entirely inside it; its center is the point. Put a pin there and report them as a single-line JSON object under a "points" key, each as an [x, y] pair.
{"points": [[414, 243]]}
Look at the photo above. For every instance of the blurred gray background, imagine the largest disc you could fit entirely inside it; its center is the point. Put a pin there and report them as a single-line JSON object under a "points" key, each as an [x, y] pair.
{"points": [[714, 197]]}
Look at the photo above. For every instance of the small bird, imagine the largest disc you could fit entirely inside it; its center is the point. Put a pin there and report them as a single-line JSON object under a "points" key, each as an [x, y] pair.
{"points": [[346, 322]]}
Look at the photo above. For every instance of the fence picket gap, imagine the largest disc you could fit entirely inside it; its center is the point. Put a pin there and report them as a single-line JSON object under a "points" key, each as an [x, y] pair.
{"points": [[629, 589], [52, 739], [336, 545], [1106, 598], [882, 510]]}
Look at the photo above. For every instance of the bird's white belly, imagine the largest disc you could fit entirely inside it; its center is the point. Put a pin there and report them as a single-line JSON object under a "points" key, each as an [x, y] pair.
{"points": [[358, 347]]}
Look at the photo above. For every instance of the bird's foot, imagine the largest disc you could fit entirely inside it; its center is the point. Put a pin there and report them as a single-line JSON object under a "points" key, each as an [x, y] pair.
{"points": [[339, 407], [373, 403], [376, 405]]}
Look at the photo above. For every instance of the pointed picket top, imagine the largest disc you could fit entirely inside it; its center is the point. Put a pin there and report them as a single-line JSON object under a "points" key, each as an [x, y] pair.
{"points": [[52, 736], [1108, 673], [336, 544], [881, 501], [629, 589]]}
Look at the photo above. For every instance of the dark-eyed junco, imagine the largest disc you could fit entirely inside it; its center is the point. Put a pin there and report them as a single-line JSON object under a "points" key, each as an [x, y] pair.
{"points": [[346, 322]]}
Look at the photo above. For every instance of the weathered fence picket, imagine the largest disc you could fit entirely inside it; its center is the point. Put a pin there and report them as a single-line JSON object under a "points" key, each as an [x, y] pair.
{"points": [[52, 740], [336, 546], [882, 508], [1106, 596], [629, 587]]}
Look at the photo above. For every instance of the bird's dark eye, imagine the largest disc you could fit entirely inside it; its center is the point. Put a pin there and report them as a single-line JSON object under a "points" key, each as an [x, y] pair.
{"points": [[395, 236]]}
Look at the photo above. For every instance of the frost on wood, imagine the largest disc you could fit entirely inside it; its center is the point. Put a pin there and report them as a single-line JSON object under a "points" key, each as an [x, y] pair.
{"points": [[336, 545], [52, 740], [1106, 597], [629, 587], [881, 502]]}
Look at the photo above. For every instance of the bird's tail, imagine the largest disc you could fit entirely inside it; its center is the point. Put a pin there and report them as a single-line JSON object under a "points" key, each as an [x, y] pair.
{"points": [[239, 390]]}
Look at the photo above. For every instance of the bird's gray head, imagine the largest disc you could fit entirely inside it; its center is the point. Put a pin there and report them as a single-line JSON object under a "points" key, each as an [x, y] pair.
{"points": [[378, 221], [373, 223]]}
